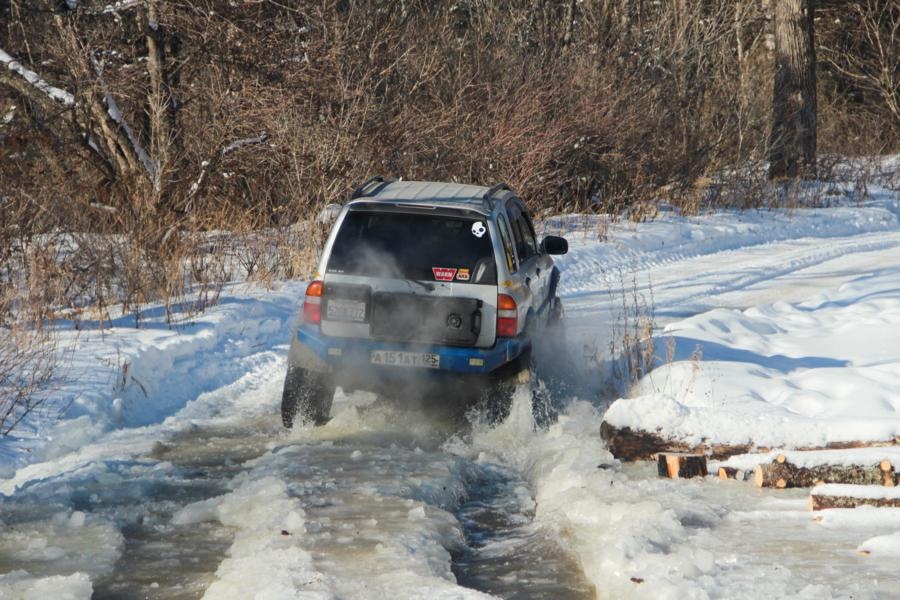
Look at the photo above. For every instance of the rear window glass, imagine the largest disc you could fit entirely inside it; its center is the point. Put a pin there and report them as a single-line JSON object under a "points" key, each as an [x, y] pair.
{"points": [[414, 246]]}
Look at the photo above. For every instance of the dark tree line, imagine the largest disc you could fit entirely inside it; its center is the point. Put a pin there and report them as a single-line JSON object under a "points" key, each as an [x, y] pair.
{"points": [[156, 120], [174, 107]]}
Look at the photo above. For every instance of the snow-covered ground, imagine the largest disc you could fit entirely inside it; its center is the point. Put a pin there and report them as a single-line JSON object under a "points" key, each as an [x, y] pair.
{"points": [[170, 476]]}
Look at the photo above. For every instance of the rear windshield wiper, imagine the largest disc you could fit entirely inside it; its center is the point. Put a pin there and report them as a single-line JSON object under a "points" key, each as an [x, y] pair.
{"points": [[428, 286]]}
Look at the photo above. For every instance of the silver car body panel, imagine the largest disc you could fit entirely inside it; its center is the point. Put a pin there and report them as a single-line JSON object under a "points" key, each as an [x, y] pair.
{"points": [[527, 282]]}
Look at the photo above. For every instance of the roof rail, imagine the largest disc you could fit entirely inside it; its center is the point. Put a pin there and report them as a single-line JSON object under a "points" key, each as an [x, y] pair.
{"points": [[362, 191], [489, 195]]}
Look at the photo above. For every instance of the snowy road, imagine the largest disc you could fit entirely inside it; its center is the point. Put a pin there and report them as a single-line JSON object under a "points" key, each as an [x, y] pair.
{"points": [[391, 500]]}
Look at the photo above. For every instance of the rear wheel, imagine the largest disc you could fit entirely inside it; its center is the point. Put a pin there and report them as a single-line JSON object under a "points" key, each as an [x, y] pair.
{"points": [[496, 398], [308, 395], [556, 313]]}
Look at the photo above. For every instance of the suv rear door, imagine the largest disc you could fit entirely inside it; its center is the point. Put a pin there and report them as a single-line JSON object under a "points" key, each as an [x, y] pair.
{"points": [[416, 276]]}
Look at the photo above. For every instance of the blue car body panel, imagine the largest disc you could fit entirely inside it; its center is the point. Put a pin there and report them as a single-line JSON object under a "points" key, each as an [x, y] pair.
{"points": [[341, 353]]}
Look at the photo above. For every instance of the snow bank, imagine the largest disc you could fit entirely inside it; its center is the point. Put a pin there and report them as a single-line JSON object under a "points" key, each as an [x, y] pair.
{"points": [[122, 378], [858, 518], [882, 545], [780, 375]]}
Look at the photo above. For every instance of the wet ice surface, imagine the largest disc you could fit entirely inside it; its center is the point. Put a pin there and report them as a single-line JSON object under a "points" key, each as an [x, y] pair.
{"points": [[507, 555], [386, 512], [775, 539], [164, 560], [378, 486]]}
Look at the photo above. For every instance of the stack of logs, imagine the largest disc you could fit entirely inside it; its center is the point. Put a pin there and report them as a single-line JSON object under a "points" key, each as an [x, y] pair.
{"points": [[864, 485]]}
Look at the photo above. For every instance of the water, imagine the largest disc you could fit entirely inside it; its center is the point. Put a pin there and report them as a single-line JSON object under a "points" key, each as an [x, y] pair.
{"points": [[506, 555], [374, 482]]}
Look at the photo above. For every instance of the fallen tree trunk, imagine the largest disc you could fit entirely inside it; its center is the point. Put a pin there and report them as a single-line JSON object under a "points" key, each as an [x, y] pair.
{"points": [[630, 444], [782, 474], [851, 496]]}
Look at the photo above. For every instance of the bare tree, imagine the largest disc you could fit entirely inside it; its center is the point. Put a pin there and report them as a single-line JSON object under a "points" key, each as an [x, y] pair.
{"points": [[792, 144], [865, 53]]}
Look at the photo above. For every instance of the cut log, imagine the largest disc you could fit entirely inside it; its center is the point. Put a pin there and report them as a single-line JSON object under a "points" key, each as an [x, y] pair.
{"points": [[786, 475], [734, 473], [889, 478], [728, 473], [678, 465], [851, 496]]}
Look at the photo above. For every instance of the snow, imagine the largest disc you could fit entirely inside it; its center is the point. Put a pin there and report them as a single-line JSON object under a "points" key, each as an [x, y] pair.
{"points": [[882, 546], [795, 375], [856, 491], [171, 451], [877, 518]]}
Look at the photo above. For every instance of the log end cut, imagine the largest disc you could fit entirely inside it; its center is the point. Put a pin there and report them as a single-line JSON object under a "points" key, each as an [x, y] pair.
{"points": [[677, 465]]}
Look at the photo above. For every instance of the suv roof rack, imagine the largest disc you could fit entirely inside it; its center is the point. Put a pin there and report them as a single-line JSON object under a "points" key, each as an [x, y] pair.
{"points": [[363, 191], [489, 195]]}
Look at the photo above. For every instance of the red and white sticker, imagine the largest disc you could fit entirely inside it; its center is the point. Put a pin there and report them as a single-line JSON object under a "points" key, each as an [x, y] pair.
{"points": [[443, 273]]}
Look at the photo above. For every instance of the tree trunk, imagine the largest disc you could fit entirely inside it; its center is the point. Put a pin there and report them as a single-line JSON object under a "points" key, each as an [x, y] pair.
{"points": [[792, 145], [161, 107]]}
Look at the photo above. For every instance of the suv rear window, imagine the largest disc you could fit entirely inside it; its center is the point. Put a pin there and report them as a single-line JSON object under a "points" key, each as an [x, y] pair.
{"points": [[414, 246]]}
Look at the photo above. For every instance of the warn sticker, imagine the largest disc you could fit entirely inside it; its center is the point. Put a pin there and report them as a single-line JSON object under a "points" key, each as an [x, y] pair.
{"points": [[443, 273]]}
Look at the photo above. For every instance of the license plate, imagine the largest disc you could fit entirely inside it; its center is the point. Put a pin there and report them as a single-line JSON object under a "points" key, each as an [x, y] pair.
{"points": [[394, 358], [345, 310]]}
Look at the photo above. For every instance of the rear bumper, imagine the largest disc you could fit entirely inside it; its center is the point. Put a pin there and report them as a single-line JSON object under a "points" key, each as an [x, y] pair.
{"points": [[347, 353]]}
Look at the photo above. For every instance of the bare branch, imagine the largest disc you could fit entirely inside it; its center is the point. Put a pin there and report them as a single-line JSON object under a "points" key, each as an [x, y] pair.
{"points": [[35, 80], [226, 150], [248, 141]]}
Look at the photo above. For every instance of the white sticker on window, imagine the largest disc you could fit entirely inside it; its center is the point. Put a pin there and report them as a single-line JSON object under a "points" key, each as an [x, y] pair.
{"points": [[478, 229]]}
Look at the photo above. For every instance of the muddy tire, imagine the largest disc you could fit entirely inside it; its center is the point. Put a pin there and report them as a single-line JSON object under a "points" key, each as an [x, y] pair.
{"points": [[556, 313], [497, 397], [307, 395]]}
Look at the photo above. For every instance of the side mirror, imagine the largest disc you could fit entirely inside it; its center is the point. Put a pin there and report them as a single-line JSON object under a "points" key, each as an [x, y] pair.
{"points": [[553, 244]]}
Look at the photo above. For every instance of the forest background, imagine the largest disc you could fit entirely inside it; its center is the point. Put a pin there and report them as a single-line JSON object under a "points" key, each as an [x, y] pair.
{"points": [[154, 147]]}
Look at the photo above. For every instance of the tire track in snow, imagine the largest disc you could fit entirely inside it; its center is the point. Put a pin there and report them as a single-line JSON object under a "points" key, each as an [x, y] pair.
{"points": [[683, 286]]}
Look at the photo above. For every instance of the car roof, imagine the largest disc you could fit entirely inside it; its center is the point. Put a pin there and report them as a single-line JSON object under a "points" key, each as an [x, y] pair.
{"points": [[432, 194]]}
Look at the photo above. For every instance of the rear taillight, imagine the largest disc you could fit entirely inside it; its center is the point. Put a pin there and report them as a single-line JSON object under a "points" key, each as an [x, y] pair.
{"points": [[507, 316], [312, 303]]}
